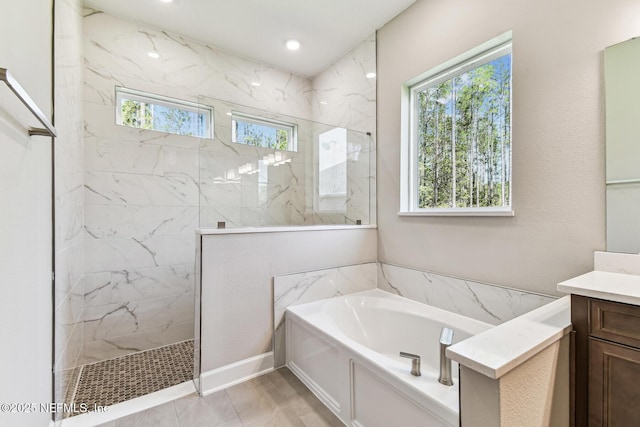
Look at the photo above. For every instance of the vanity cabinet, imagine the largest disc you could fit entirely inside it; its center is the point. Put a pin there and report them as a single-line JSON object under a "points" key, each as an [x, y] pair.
{"points": [[606, 373]]}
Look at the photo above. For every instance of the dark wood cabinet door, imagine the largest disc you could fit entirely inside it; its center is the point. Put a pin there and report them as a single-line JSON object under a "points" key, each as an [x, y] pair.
{"points": [[614, 385]]}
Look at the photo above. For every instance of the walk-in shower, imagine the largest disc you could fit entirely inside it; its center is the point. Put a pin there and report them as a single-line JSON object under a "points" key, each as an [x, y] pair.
{"points": [[282, 150]]}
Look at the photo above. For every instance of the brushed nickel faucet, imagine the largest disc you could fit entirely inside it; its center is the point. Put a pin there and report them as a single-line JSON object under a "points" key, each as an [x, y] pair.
{"points": [[446, 339], [415, 362]]}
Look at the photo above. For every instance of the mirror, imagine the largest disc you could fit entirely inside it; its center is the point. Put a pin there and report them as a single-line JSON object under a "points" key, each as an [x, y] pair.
{"points": [[622, 88]]}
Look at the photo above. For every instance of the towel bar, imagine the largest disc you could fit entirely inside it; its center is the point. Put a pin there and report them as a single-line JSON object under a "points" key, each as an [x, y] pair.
{"points": [[15, 87]]}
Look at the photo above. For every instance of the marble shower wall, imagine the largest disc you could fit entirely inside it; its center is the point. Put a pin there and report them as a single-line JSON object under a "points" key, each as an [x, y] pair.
{"points": [[141, 195], [239, 187], [311, 286], [341, 97], [69, 195], [232, 193], [142, 198], [481, 301]]}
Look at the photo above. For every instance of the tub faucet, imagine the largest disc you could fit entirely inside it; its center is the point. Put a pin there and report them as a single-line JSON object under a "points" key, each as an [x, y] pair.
{"points": [[415, 363], [446, 339]]}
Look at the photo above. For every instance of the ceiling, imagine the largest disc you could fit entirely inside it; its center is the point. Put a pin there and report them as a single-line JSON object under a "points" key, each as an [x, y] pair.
{"points": [[258, 29]]}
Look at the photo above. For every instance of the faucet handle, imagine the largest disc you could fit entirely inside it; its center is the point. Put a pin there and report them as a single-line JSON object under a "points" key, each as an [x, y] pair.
{"points": [[415, 362]]}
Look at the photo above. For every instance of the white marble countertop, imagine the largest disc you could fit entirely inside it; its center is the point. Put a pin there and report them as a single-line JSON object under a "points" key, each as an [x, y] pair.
{"points": [[279, 229], [500, 349], [605, 285]]}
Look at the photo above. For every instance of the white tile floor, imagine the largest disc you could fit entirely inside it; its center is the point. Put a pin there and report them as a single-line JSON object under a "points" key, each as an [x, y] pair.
{"points": [[277, 399]]}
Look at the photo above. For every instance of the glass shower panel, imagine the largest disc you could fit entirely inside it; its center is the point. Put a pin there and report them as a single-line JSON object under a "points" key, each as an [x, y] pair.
{"points": [[284, 171]]}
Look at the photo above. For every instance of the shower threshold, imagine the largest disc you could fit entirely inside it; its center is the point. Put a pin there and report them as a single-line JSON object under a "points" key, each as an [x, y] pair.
{"points": [[124, 378]]}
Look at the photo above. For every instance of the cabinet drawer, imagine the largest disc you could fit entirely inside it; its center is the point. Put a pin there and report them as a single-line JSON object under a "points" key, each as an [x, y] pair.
{"points": [[615, 322]]}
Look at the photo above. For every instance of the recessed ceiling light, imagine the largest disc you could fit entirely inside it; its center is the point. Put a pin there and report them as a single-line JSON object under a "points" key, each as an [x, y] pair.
{"points": [[166, 1], [154, 55], [323, 102], [256, 84], [371, 75], [292, 44]]}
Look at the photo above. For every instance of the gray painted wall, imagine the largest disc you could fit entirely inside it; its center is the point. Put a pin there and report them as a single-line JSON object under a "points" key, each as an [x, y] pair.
{"points": [[558, 137], [237, 288], [25, 214]]}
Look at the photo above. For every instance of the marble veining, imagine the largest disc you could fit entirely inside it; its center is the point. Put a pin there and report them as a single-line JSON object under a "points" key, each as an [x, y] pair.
{"points": [[176, 189], [311, 286], [110, 287], [115, 48], [119, 221], [346, 80], [68, 192], [488, 303], [224, 187], [142, 192]]}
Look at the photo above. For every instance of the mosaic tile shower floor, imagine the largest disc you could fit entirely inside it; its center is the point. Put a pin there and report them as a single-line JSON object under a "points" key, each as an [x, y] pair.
{"points": [[117, 380]]}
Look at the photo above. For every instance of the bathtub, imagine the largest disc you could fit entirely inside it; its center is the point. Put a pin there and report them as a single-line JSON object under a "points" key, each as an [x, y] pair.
{"points": [[346, 350]]}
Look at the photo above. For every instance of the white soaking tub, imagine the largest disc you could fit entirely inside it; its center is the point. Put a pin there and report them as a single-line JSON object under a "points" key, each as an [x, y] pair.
{"points": [[346, 350]]}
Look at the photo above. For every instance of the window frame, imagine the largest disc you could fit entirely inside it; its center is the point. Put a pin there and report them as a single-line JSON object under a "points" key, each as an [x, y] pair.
{"points": [[290, 128], [167, 102], [482, 54]]}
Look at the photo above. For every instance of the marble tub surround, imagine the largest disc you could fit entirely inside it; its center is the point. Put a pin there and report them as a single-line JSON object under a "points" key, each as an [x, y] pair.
{"points": [[292, 289], [488, 303], [616, 278], [480, 301]]}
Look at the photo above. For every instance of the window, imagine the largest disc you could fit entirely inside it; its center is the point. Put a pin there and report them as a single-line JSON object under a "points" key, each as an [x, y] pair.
{"points": [[252, 130], [458, 155], [155, 112]]}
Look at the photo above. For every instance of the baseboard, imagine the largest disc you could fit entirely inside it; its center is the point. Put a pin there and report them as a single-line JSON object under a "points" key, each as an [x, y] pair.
{"points": [[236, 373], [129, 407]]}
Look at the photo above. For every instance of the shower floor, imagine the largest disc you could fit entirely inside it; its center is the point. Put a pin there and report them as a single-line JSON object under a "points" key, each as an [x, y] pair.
{"points": [[117, 380]]}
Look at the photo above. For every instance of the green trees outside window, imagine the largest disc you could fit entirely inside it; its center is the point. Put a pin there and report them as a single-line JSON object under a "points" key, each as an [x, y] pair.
{"points": [[463, 137], [154, 112], [260, 132], [260, 135]]}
